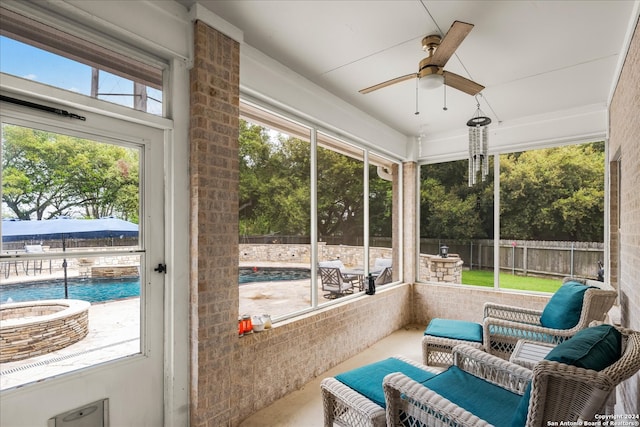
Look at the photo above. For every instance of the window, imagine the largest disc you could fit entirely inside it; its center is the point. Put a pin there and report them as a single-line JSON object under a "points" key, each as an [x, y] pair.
{"points": [[551, 218], [460, 218], [72, 253], [35, 51], [274, 213], [280, 171]]}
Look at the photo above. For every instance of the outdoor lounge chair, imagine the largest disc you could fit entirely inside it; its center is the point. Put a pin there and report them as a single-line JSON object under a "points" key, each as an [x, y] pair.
{"points": [[572, 308], [573, 383], [334, 282]]}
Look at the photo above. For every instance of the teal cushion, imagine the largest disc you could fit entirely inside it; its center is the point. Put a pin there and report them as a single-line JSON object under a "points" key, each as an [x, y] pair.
{"points": [[367, 380], [565, 306], [520, 416], [487, 401], [592, 348], [455, 329]]}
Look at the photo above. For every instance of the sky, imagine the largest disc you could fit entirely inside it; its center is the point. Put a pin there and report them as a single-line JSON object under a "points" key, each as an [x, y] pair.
{"points": [[31, 63]]}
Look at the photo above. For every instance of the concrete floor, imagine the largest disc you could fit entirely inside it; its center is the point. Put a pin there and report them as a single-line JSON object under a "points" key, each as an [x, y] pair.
{"points": [[303, 408]]}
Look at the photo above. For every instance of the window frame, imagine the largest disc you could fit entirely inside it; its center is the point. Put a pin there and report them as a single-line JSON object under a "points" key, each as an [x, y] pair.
{"points": [[327, 137], [497, 200]]}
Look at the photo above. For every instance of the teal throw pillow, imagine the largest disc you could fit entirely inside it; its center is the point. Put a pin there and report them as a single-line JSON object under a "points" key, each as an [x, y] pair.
{"points": [[565, 306], [592, 348]]}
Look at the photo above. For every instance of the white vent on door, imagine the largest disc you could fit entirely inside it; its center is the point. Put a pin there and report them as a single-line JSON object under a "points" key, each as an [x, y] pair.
{"points": [[95, 414]]}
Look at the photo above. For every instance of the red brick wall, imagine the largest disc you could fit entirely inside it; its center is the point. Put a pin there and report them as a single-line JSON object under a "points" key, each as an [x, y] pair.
{"points": [[624, 145], [214, 110]]}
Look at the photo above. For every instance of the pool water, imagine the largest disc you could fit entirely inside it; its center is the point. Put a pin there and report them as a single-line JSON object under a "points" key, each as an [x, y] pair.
{"points": [[269, 274], [95, 290], [99, 290]]}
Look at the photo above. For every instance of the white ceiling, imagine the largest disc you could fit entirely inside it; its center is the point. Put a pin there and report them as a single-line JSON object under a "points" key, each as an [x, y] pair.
{"points": [[533, 57]]}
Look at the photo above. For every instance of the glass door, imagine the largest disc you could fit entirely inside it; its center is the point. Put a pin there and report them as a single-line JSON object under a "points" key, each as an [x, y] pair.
{"points": [[82, 233]]}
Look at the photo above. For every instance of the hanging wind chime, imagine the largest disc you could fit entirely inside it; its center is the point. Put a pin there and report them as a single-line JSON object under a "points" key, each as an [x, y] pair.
{"points": [[478, 145]]}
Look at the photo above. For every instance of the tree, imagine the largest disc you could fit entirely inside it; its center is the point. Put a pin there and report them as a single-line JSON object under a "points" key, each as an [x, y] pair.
{"points": [[47, 174], [553, 194], [449, 208]]}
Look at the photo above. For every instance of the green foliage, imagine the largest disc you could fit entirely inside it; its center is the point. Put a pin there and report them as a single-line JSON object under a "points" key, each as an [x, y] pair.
{"points": [[275, 189], [46, 174], [546, 194], [274, 183], [553, 194], [449, 209]]}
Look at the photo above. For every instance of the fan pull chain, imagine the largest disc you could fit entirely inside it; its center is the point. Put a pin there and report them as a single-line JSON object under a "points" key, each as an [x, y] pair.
{"points": [[444, 79], [417, 109]]}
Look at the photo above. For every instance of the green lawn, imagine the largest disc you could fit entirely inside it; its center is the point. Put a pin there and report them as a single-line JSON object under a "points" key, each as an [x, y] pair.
{"points": [[509, 281]]}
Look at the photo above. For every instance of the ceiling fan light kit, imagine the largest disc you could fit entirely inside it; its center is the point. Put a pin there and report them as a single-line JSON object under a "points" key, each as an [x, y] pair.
{"points": [[431, 81]]}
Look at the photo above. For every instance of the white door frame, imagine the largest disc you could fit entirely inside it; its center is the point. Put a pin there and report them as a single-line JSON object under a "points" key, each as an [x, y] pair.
{"points": [[134, 384]]}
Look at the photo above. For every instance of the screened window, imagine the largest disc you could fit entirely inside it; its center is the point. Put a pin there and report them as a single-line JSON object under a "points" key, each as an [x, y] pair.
{"points": [[316, 215], [551, 219]]}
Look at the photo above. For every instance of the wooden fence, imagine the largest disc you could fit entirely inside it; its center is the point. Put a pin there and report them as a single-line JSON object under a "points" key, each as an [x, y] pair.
{"points": [[526, 257]]}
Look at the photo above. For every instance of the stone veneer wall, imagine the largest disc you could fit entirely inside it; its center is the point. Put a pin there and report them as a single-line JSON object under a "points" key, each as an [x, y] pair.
{"points": [[624, 245], [351, 256], [434, 268], [34, 328]]}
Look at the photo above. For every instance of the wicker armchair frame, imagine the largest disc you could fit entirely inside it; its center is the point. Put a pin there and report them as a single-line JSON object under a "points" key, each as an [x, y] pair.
{"points": [[558, 391], [504, 325], [346, 407]]}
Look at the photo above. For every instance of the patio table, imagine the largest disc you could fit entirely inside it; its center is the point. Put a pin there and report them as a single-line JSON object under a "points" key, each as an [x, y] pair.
{"points": [[361, 275]]}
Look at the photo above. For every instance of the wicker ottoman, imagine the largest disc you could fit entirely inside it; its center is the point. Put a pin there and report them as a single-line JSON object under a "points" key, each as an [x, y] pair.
{"points": [[356, 398], [443, 334]]}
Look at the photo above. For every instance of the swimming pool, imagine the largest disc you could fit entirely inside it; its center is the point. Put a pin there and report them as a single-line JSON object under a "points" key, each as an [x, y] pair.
{"points": [[99, 290], [92, 290], [270, 274]]}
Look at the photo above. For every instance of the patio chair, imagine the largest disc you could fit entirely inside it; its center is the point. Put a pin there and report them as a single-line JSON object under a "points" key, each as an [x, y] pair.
{"points": [[37, 263], [334, 282], [571, 309], [384, 277], [381, 263], [572, 383]]}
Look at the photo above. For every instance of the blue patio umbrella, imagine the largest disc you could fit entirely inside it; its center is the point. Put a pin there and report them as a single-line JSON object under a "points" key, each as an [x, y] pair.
{"points": [[67, 228], [64, 228]]}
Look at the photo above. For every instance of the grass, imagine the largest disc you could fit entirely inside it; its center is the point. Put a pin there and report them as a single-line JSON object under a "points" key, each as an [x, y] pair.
{"points": [[510, 281]]}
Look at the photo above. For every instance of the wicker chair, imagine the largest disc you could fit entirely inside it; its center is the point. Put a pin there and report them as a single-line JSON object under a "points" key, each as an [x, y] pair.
{"points": [[346, 407], [334, 282], [504, 325], [558, 391]]}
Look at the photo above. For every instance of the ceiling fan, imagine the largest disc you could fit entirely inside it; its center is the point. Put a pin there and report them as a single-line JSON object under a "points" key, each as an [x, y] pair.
{"points": [[440, 50]]}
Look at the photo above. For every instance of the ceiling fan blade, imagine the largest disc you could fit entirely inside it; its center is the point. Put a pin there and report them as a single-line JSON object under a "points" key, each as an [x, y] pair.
{"points": [[462, 83], [456, 34], [388, 83]]}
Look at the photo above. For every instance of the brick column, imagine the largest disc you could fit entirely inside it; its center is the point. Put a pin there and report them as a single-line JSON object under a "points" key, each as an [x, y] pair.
{"points": [[214, 110], [410, 220]]}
